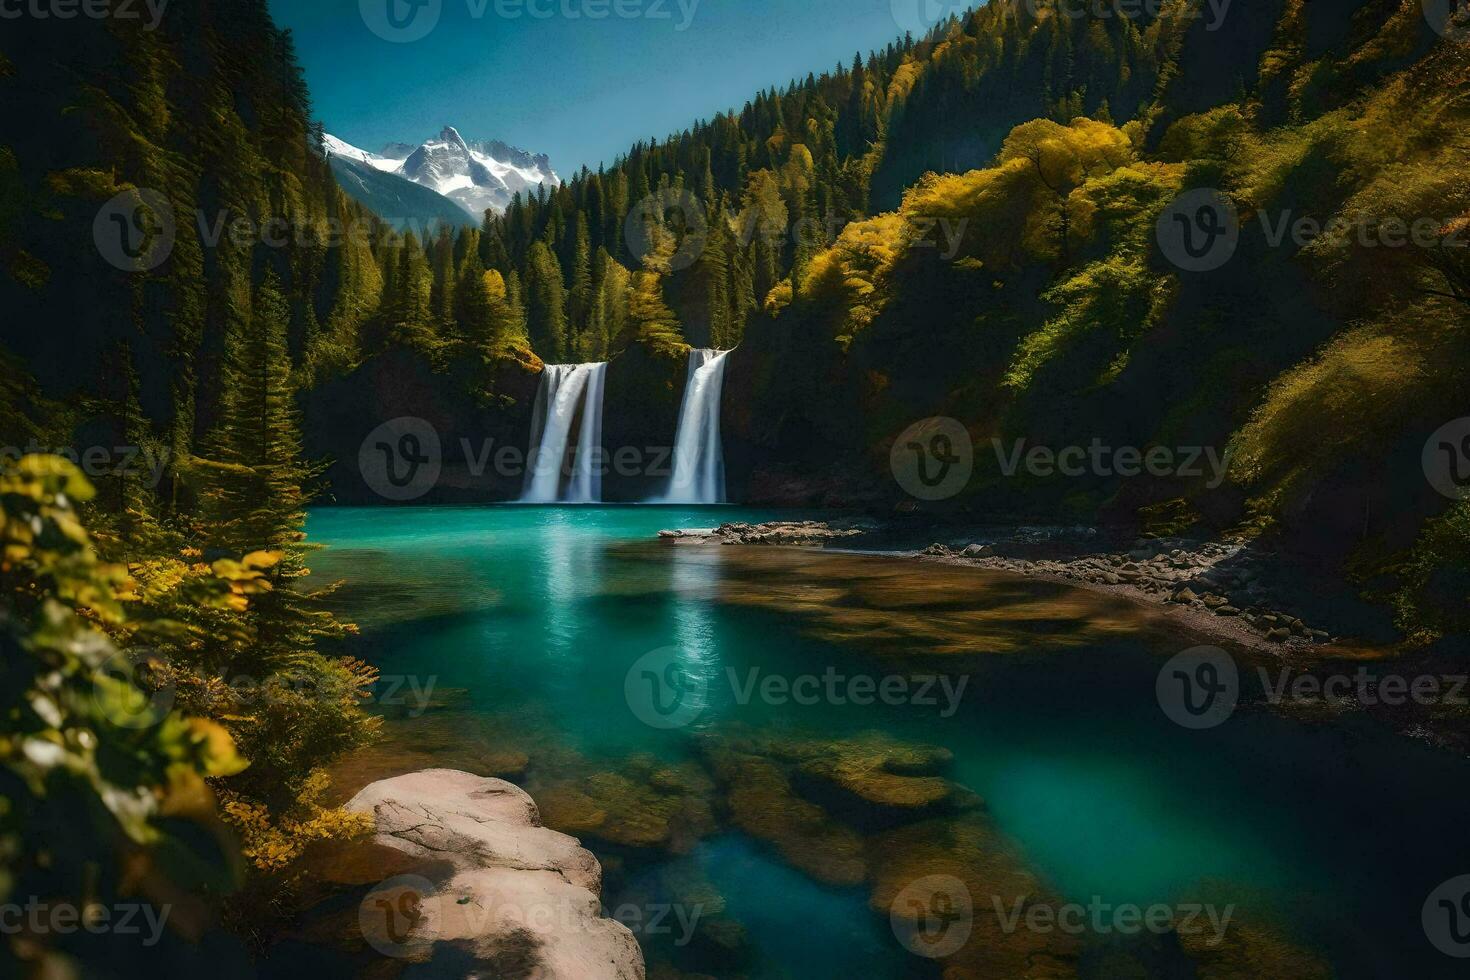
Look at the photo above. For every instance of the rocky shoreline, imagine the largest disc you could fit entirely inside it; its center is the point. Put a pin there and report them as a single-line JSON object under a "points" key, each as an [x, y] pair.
{"points": [[1225, 587], [797, 533]]}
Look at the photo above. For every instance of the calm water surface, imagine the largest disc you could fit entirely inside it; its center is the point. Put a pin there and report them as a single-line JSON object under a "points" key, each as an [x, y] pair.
{"points": [[529, 620]]}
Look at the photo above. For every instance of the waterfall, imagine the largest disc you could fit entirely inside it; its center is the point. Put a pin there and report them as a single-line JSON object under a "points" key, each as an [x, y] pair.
{"points": [[699, 456], [568, 392]]}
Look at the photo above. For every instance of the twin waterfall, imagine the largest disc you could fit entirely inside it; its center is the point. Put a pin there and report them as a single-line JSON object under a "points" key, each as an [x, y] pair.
{"points": [[568, 392], [699, 455], [570, 398]]}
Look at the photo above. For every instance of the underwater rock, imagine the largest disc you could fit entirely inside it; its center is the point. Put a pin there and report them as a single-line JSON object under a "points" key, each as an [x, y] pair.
{"points": [[762, 803], [1251, 950], [646, 804], [969, 855]]}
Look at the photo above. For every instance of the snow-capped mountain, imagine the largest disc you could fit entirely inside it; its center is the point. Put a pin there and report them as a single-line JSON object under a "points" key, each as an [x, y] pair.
{"points": [[476, 176]]}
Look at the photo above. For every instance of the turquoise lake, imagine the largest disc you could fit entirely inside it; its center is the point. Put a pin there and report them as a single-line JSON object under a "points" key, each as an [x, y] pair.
{"points": [[523, 623]]}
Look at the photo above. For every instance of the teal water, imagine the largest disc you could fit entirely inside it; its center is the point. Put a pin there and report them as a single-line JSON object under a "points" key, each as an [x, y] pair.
{"points": [[531, 618]]}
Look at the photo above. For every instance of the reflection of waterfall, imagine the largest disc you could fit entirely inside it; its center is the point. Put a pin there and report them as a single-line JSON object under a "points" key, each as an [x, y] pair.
{"points": [[568, 391], [699, 457]]}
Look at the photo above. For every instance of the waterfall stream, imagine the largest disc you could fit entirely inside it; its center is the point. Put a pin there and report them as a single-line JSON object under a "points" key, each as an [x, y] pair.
{"points": [[568, 392], [699, 456]]}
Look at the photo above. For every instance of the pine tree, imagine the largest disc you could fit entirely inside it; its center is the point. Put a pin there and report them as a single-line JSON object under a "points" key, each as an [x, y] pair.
{"points": [[579, 294], [255, 477], [546, 304]]}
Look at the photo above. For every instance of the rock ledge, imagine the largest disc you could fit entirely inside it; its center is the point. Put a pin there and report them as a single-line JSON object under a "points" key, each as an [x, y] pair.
{"points": [[509, 897]]}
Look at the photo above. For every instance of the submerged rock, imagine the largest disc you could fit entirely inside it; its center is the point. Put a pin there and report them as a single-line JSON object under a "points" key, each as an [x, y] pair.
{"points": [[644, 804], [509, 896], [763, 803]]}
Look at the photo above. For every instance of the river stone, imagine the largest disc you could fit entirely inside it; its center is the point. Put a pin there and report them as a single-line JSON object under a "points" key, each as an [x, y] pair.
{"points": [[518, 892]]}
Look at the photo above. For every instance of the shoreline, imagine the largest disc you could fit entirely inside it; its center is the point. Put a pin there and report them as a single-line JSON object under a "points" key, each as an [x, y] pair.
{"points": [[1218, 588]]}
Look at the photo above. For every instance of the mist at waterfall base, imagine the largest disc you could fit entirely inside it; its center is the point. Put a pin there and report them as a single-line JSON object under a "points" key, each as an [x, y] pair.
{"points": [[571, 398]]}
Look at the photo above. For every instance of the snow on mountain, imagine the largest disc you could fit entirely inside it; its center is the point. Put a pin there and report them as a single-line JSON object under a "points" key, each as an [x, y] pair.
{"points": [[476, 176]]}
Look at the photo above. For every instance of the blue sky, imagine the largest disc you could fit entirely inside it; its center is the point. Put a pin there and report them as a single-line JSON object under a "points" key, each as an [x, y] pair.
{"points": [[577, 88]]}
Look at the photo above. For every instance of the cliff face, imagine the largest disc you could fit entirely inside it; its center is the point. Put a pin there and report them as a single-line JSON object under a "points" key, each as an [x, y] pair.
{"points": [[481, 420]]}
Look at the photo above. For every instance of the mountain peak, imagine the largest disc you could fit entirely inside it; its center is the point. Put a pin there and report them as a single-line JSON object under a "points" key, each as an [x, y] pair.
{"points": [[476, 176], [451, 136]]}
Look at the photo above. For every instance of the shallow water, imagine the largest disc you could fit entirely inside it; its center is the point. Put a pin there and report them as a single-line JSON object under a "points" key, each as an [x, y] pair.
{"points": [[528, 621]]}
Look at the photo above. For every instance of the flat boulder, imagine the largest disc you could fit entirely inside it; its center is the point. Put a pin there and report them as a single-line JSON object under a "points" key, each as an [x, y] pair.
{"points": [[508, 898]]}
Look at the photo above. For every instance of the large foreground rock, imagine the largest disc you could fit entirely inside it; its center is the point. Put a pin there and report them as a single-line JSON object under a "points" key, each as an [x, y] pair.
{"points": [[518, 900]]}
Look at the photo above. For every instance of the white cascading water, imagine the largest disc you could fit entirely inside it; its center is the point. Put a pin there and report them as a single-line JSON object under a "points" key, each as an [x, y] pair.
{"points": [[699, 456], [566, 389]]}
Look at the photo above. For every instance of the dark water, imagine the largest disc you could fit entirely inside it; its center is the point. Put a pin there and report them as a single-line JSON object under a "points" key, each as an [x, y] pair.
{"points": [[530, 619]]}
